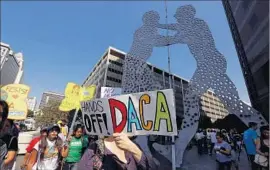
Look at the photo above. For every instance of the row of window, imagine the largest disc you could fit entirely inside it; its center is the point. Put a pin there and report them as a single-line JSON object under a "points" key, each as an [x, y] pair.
{"points": [[207, 98], [216, 104], [115, 62], [115, 71], [114, 79], [216, 114], [217, 109]]}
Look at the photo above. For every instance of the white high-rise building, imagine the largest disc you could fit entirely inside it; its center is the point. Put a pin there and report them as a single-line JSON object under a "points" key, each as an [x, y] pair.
{"points": [[11, 66], [31, 103]]}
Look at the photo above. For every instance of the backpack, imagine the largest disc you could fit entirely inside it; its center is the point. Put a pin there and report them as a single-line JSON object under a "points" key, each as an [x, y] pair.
{"points": [[3, 153]]}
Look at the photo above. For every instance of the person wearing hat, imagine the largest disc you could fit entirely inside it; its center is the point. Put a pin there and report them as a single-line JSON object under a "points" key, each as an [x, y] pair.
{"points": [[28, 155], [63, 129], [43, 133], [48, 151]]}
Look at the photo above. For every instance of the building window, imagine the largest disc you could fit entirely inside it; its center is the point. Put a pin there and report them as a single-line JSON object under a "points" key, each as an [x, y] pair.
{"points": [[116, 63], [115, 71], [253, 21], [114, 79], [158, 71], [117, 54], [47, 99]]}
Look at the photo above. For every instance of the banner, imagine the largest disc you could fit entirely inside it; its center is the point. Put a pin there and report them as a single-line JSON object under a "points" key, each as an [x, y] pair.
{"points": [[74, 94], [16, 95], [110, 91], [135, 114]]}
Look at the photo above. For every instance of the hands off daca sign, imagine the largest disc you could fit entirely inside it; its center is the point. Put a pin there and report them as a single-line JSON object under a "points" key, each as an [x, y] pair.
{"points": [[135, 114]]}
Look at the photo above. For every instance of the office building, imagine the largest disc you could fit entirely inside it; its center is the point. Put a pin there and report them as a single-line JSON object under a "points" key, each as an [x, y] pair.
{"points": [[11, 66], [49, 97], [249, 24], [31, 103], [108, 73]]}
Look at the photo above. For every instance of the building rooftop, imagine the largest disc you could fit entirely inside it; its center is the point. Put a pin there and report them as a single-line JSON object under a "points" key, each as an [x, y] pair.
{"points": [[124, 53], [49, 92]]}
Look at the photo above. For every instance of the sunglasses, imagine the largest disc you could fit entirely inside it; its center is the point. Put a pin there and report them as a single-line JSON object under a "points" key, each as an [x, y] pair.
{"points": [[54, 130]]}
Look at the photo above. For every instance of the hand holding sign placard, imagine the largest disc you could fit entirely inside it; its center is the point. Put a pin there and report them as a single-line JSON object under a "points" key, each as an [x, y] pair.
{"points": [[136, 114]]}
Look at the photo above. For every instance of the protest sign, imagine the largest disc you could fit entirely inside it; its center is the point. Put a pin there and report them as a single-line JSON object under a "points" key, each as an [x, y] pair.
{"points": [[135, 114], [16, 95], [110, 91], [74, 94], [88, 93]]}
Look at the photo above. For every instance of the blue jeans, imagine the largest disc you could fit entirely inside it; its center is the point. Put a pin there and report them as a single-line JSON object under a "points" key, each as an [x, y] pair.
{"points": [[70, 166]]}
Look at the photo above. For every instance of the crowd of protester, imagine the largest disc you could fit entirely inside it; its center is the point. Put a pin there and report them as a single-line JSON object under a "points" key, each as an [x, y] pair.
{"points": [[228, 145], [58, 149]]}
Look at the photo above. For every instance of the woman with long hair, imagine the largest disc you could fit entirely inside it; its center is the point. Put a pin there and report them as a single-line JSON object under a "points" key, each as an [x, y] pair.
{"points": [[11, 140], [8, 140], [116, 152], [48, 151], [76, 145], [262, 149], [4, 109]]}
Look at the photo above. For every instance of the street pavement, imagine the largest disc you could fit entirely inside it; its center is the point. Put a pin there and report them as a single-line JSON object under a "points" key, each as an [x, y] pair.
{"points": [[193, 161]]}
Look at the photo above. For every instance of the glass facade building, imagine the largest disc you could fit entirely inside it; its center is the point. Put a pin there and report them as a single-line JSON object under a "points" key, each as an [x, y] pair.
{"points": [[249, 24]]}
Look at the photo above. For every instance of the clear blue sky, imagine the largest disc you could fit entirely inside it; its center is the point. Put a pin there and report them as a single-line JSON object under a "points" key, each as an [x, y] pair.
{"points": [[62, 41]]}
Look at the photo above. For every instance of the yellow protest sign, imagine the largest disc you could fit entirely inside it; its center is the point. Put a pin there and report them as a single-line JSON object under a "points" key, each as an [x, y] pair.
{"points": [[74, 94], [16, 95], [88, 93]]}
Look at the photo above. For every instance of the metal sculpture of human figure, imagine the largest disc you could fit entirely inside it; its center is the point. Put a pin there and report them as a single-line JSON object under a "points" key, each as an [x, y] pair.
{"points": [[135, 67], [210, 73], [137, 76]]}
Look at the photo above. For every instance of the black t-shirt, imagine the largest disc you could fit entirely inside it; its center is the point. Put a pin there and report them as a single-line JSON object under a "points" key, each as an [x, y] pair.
{"points": [[11, 142]]}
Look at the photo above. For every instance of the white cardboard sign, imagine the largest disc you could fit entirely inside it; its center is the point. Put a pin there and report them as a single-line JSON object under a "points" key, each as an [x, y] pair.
{"points": [[110, 91], [142, 113]]}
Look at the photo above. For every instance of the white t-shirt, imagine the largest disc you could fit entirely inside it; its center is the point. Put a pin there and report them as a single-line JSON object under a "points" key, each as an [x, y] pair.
{"points": [[50, 160], [208, 135], [199, 136], [213, 137], [61, 135]]}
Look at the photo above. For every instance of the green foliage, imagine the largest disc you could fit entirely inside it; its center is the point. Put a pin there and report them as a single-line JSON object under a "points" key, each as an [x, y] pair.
{"points": [[30, 113], [50, 114]]}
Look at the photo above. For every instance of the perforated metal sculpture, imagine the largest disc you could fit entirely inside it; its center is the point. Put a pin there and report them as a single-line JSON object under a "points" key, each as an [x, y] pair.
{"points": [[210, 71], [136, 73]]}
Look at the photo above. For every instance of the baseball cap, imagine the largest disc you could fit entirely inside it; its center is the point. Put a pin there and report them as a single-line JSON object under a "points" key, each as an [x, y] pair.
{"points": [[54, 127], [43, 128]]}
